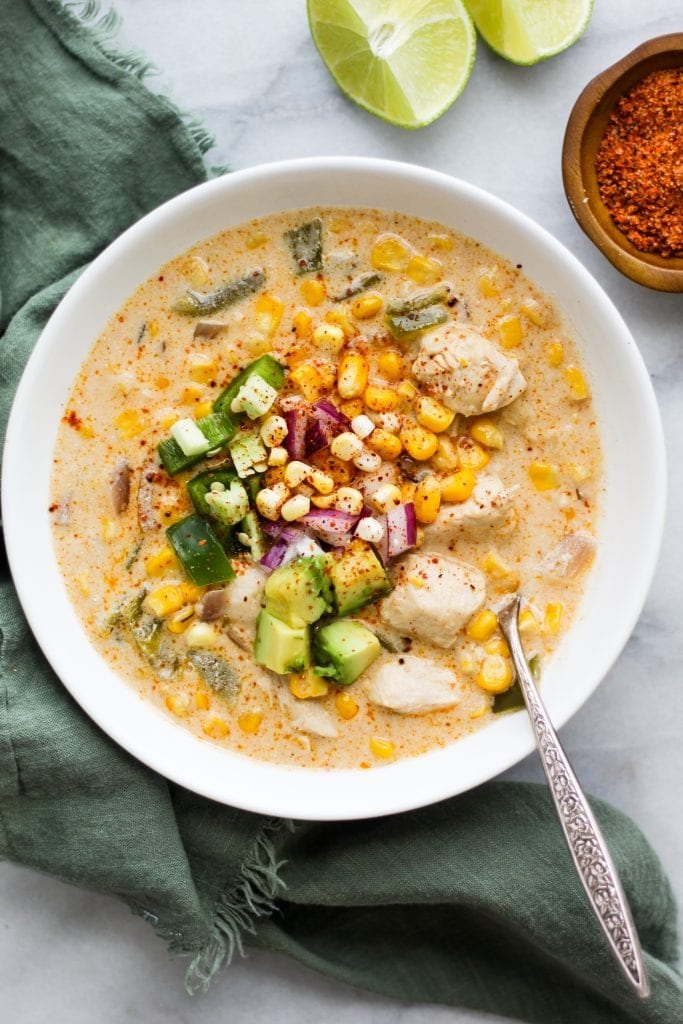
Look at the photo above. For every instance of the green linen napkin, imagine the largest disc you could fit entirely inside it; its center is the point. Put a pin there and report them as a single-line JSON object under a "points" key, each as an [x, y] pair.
{"points": [[472, 902]]}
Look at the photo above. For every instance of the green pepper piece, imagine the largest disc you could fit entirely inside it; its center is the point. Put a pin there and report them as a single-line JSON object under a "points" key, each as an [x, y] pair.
{"points": [[199, 551], [420, 300], [358, 285], [266, 367], [405, 326], [306, 245], [194, 303], [512, 699]]}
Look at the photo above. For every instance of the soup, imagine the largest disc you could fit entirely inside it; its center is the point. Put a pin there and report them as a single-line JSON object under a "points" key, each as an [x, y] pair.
{"points": [[302, 468]]}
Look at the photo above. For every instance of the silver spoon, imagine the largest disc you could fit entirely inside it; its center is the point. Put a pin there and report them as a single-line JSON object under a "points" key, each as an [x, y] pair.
{"points": [[586, 842]]}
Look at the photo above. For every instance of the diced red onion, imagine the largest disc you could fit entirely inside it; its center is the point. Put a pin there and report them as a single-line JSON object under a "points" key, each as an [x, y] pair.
{"points": [[401, 530], [331, 410], [324, 423], [273, 558], [382, 546], [280, 530], [297, 424], [332, 526]]}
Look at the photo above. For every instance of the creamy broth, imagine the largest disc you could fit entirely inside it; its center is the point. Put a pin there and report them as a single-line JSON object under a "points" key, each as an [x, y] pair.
{"points": [[149, 369]]}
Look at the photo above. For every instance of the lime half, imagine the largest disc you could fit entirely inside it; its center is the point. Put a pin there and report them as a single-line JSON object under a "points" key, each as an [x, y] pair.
{"points": [[403, 60], [526, 31]]}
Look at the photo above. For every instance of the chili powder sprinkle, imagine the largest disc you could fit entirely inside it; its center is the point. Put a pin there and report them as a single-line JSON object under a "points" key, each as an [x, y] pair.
{"points": [[639, 163]]}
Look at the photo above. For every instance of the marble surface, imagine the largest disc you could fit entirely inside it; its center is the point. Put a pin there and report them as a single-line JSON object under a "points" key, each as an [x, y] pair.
{"points": [[256, 80]]}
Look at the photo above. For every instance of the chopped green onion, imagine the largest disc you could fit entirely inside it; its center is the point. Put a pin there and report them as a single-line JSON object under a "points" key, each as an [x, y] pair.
{"points": [[189, 438]]}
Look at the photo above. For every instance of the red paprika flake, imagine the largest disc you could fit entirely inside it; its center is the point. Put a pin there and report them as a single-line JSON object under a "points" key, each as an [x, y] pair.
{"points": [[639, 163]]}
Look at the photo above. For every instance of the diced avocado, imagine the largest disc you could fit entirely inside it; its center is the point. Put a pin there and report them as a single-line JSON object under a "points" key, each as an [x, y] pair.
{"points": [[358, 578], [279, 647], [344, 649], [299, 593]]}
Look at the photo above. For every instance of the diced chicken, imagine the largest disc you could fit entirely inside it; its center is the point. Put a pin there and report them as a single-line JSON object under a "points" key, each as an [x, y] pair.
{"points": [[243, 603], [413, 686], [486, 508], [571, 555], [433, 598], [467, 372], [307, 715]]}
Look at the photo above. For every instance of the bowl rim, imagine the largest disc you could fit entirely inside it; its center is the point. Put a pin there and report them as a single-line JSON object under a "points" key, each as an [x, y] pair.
{"points": [[647, 269], [405, 784]]}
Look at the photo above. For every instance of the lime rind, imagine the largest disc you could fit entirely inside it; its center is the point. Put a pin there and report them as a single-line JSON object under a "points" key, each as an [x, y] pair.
{"points": [[404, 62], [526, 32]]}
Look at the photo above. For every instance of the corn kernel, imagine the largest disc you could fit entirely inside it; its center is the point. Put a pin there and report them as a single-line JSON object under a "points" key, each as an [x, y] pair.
{"points": [[386, 444], [380, 399], [424, 269], [275, 474], [329, 339], [82, 582], [495, 674], [382, 747], [406, 391], [528, 623], [202, 370], [340, 318], [444, 243], [165, 600], [408, 489], [555, 351], [362, 426], [510, 331], [506, 578], [256, 241], [390, 253], [258, 345], [345, 705], [202, 701], [352, 375], [352, 408], [273, 430], [390, 365], [196, 271], [216, 728], [367, 461], [479, 712], [367, 306], [161, 383], [458, 486], [471, 455], [386, 497], [250, 721], [109, 530], [329, 463], [432, 414], [487, 433], [482, 626], [324, 500], [295, 473], [307, 381], [190, 592], [313, 292], [295, 508], [307, 684], [578, 473], [445, 457], [270, 500], [497, 645], [346, 446], [427, 500], [578, 385], [192, 394], [129, 423], [350, 500], [85, 430], [166, 418], [487, 283], [201, 635], [178, 704], [268, 313], [153, 328], [323, 482], [370, 529], [544, 476], [533, 311], [467, 663], [420, 444], [552, 620], [302, 324]]}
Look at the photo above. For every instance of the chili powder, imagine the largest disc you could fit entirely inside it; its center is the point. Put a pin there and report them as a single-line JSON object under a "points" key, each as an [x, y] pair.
{"points": [[639, 163]]}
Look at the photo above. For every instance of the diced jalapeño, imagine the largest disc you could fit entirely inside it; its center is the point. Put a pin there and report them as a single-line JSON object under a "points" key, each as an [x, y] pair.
{"points": [[266, 367], [199, 551]]}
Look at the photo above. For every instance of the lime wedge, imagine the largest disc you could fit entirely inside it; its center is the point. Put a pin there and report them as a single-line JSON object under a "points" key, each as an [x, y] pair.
{"points": [[526, 31], [404, 60]]}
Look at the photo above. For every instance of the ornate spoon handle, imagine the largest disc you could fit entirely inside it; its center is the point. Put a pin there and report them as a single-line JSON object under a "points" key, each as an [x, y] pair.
{"points": [[585, 840]]}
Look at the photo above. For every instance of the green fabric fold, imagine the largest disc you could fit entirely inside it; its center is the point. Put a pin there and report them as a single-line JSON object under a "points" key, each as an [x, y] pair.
{"points": [[472, 902]]}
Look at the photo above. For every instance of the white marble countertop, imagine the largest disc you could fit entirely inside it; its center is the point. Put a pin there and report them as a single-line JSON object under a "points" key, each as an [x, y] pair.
{"points": [[252, 74]]}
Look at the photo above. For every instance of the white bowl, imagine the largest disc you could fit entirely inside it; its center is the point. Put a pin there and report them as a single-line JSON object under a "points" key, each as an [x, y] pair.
{"points": [[629, 531]]}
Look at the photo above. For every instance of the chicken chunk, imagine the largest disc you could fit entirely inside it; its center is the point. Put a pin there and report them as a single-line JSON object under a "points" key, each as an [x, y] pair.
{"points": [[243, 603], [433, 598], [413, 686], [486, 508], [307, 715], [467, 372]]}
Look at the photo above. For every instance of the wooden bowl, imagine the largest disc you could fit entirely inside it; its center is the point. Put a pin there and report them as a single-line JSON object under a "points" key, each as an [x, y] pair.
{"points": [[585, 129]]}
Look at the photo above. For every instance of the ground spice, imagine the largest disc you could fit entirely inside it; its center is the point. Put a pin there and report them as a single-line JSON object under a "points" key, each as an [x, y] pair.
{"points": [[639, 163]]}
